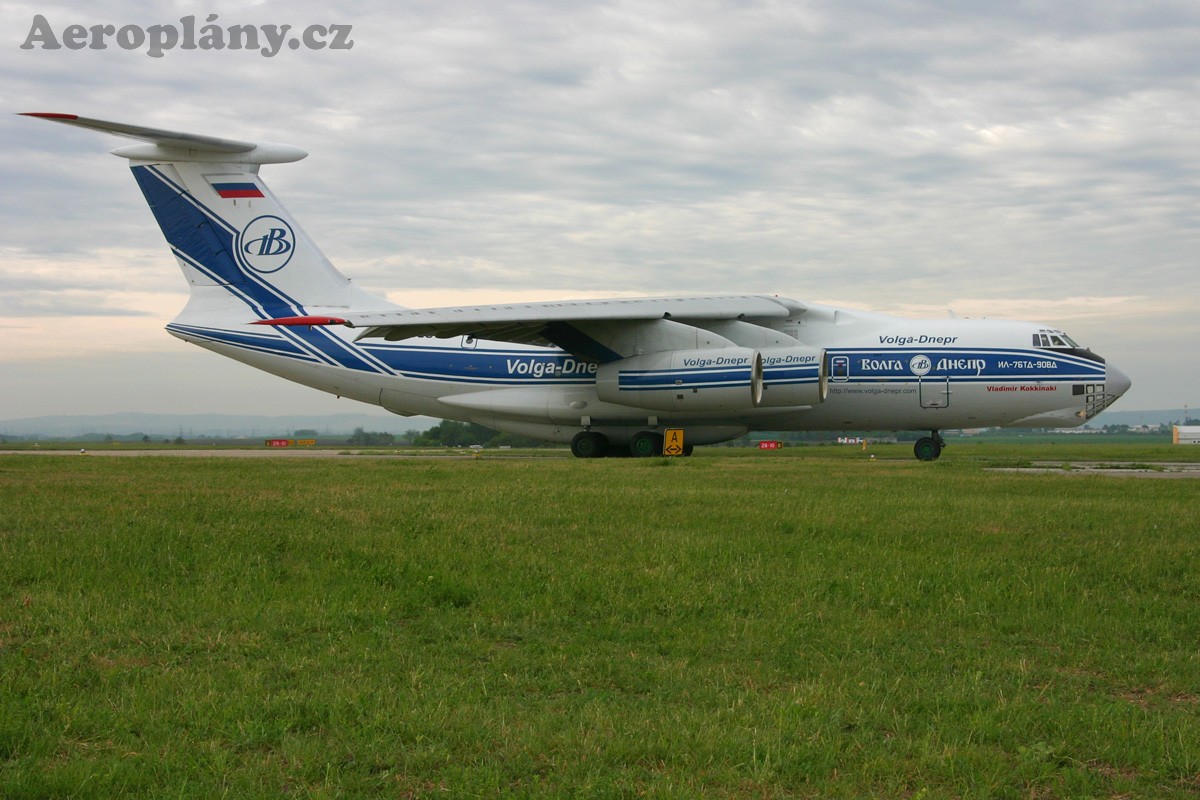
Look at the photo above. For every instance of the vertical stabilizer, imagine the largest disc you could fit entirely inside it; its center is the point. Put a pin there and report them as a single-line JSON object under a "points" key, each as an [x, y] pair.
{"points": [[227, 229], [230, 235]]}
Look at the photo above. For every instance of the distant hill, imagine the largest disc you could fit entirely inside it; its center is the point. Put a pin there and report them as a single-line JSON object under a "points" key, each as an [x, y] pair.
{"points": [[1136, 418], [214, 425]]}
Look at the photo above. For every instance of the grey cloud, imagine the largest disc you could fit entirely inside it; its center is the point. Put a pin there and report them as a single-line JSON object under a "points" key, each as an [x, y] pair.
{"points": [[57, 304], [821, 149]]}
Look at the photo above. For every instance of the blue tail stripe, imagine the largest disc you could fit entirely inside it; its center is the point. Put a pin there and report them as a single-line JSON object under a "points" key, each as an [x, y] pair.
{"points": [[190, 231]]}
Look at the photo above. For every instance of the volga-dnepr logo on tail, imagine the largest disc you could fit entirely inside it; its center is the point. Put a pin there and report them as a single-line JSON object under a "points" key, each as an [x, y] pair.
{"points": [[608, 376], [267, 244]]}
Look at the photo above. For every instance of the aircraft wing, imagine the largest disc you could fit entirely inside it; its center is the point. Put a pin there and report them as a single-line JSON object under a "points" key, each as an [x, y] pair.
{"points": [[551, 323], [598, 330]]}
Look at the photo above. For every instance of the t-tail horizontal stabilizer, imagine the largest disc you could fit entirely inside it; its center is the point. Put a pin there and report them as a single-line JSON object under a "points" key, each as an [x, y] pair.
{"points": [[160, 145]]}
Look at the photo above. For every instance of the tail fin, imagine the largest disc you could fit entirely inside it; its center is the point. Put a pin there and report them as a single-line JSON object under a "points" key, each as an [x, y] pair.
{"points": [[224, 226]]}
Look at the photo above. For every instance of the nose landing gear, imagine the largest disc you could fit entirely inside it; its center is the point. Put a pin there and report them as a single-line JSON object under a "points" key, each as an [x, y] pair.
{"points": [[928, 448]]}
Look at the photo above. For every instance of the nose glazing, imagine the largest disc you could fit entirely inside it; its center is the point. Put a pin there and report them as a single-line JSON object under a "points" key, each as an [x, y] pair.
{"points": [[1117, 383]]}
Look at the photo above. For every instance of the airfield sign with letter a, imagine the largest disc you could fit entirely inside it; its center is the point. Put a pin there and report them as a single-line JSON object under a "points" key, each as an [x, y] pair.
{"points": [[673, 442]]}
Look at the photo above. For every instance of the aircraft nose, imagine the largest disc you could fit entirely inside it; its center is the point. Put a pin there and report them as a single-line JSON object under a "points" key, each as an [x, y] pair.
{"points": [[1117, 383]]}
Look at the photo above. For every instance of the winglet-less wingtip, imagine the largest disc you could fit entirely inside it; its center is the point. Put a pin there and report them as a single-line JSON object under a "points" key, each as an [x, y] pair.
{"points": [[162, 145]]}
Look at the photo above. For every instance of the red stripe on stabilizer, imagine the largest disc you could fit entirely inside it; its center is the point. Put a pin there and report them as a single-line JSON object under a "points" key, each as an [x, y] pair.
{"points": [[48, 115], [290, 321], [234, 194]]}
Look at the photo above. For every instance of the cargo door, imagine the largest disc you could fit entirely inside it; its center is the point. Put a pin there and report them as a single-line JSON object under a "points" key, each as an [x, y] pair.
{"points": [[934, 391]]}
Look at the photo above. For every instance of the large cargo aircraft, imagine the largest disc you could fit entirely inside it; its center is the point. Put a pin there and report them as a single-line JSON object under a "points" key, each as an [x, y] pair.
{"points": [[608, 376]]}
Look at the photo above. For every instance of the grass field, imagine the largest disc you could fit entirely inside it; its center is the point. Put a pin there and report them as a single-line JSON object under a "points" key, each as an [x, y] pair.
{"points": [[805, 624]]}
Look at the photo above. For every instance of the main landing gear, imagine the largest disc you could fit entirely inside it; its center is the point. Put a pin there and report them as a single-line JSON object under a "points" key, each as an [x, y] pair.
{"points": [[643, 444], [588, 444], [928, 448]]}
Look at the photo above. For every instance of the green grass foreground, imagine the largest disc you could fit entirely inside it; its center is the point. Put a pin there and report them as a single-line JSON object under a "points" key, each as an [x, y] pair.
{"points": [[814, 626]]}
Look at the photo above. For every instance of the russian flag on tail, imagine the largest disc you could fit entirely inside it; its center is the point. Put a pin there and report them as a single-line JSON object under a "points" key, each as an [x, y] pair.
{"points": [[232, 190]]}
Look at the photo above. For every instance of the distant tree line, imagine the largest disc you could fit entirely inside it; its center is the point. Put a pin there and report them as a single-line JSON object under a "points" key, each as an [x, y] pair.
{"points": [[363, 438], [446, 433], [449, 433]]}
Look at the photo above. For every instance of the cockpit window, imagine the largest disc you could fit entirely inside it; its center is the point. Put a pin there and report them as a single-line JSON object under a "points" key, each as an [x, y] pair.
{"points": [[1049, 338], [1059, 342]]}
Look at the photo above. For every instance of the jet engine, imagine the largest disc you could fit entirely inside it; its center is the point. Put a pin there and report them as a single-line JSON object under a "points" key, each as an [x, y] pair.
{"points": [[793, 376], [723, 379]]}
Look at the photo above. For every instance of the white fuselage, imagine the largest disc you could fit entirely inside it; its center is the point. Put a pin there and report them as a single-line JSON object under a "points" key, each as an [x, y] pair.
{"points": [[875, 372]]}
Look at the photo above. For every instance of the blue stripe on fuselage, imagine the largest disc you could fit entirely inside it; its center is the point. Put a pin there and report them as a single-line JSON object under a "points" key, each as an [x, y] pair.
{"points": [[271, 346], [675, 379], [779, 376], [494, 367], [961, 365], [485, 367]]}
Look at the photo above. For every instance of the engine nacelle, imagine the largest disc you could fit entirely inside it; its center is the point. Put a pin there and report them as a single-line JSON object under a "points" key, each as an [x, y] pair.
{"points": [[793, 376], [725, 379]]}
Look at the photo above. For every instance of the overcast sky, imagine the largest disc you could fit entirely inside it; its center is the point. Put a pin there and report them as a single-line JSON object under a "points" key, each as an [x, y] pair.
{"points": [[1018, 160]]}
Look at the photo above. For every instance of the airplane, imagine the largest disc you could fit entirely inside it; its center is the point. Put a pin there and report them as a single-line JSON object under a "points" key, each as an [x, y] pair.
{"points": [[611, 377]]}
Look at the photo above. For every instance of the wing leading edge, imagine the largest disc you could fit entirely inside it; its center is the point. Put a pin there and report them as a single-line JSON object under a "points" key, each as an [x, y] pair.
{"points": [[526, 323], [595, 330]]}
